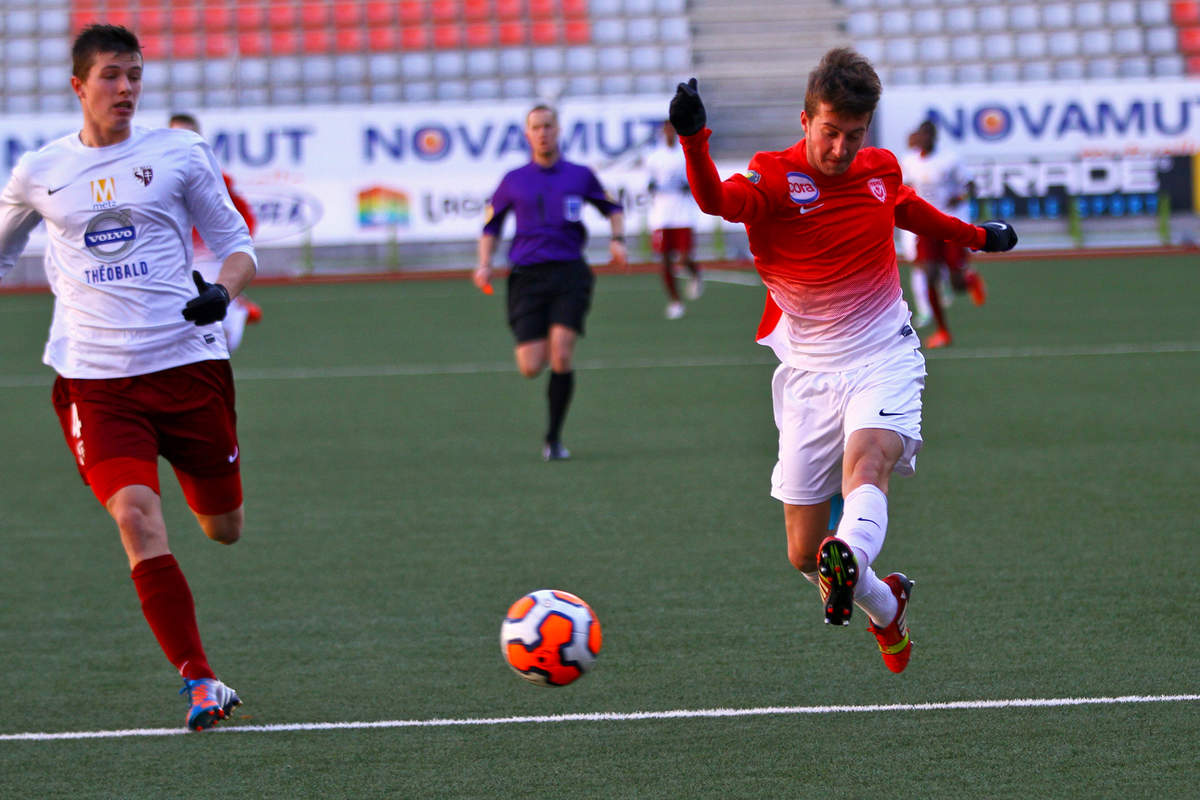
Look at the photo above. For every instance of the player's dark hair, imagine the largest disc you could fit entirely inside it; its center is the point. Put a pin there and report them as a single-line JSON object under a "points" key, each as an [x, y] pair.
{"points": [[928, 129], [846, 81], [185, 118], [96, 39]]}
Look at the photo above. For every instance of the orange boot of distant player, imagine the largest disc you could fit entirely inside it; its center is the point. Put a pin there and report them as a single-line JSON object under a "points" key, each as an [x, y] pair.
{"points": [[253, 310], [940, 338], [976, 287]]}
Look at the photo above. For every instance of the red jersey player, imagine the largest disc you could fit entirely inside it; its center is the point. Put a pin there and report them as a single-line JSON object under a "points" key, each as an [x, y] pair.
{"points": [[847, 393]]}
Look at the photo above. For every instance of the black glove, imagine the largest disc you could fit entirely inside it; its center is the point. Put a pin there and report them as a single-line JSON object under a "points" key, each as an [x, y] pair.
{"points": [[1000, 236], [687, 112], [210, 306]]}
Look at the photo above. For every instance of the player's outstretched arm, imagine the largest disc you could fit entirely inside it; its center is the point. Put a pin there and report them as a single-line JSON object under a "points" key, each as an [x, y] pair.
{"points": [[733, 201], [687, 113]]}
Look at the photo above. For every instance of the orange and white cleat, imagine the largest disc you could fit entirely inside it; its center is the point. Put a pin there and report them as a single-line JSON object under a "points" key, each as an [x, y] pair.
{"points": [[837, 575], [939, 338], [976, 287], [253, 310], [209, 701], [894, 643]]}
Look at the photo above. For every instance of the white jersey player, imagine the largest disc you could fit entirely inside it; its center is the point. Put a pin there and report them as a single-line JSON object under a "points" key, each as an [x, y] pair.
{"points": [[672, 217], [136, 340]]}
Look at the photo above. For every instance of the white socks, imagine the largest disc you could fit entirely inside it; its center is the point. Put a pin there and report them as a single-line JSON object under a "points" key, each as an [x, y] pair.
{"points": [[864, 527], [920, 291], [235, 324]]}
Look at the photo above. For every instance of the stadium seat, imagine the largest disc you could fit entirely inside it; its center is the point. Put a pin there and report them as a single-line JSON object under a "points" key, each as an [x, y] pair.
{"points": [[896, 22], [547, 60], [517, 87], [900, 50], [218, 45], [217, 17], [581, 59], [483, 90], [577, 31], [998, 46], [320, 40], [509, 9], [545, 31], [645, 59], [1189, 41], [938, 74], [1170, 66], [1089, 15], [605, 8], [185, 46], [1128, 41], [1102, 68], [283, 16], [1154, 12], [251, 43], [1097, 42], [350, 39], [316, 15], [482, 62], [1121, 14], [643, 29], [674, 29], [410, 37], [154, 48], [347, 14], [871, 49], [1025, 17], [576, 8], [992, 17], [960, 19], [151, 20], [583, 85], [671, 6], [971, 73], [479, 34], [380, 13], [612, 59], [608, 31], [1193, 65], [284, 43], [927, 20], [1031, 44], [1185, 12], [1036, 71], [513, 33], [447, 36], [933, 49], [1134, 67], [514, 61], [449, 65], [1004, 72], [542, 9], [677, 59], [1064, 43], [445, 10], [411, 12], [250, 17], [967, 48], [862, 23], [476, 10], [1161, 40], [1056, 15]]}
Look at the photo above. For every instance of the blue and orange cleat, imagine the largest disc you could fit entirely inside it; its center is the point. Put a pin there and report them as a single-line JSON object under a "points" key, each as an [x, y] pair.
{"points": [[894, 642], [837, 571], [211, 701]]}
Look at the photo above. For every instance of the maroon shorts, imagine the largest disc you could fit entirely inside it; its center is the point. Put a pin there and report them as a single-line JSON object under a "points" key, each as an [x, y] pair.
{"points": [[118, 427], [936, 251], [672, 240]]}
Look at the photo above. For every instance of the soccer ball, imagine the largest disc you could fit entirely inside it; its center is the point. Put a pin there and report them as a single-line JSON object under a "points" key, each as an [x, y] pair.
{"points": [[550, 637]]}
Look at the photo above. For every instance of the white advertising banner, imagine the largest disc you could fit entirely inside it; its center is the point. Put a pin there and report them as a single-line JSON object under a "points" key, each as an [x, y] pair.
{"points": [[349, 174], [1007, 121]]}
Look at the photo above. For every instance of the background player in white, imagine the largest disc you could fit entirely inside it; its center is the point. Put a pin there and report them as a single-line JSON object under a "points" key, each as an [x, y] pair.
{"points": [[672, 217], [143, 369], [940, 178], [242, 310]]}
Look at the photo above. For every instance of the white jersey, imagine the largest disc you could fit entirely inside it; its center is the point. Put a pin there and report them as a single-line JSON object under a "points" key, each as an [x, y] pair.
{"points": [[672, 205], [939, 178], [119, 248]]}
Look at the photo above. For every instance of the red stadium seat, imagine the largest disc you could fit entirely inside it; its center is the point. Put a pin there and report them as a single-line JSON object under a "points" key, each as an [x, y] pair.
{"points": [[154, 46], [185, 45], [1189, 41], [251, 43], [545, 31], [347, 14], [411, 11], [445, 10], [316, 15], [510, 9], [151, 20], [185, 18], [578, 31], [218, 45], [383, 39], [318, 41], [480, 34], [477, 9], [575, 8], [250, 16], [351, 40], [513, 33], [284, 43], [217, 17], [1185, 12], [282, 16], [448, 36], [1193, 65], [542, 9]]}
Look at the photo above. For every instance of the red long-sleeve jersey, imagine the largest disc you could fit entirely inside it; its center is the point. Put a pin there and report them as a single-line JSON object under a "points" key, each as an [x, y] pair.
{"points": [[824, 248]]}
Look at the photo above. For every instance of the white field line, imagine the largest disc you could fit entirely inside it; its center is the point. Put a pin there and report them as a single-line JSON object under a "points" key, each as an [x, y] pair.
{"points": [[613, 716], [485, 368]]}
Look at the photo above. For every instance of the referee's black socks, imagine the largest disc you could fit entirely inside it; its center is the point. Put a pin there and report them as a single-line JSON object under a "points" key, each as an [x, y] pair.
{"points": [[562, 385]]}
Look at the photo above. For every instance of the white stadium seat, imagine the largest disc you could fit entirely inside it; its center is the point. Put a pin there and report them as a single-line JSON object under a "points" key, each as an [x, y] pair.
{"points": [[927, 20], [677, 59], [486, 89], [581, 59], [1031, 44], [21, 51], [1122, 13], [972, 73], [1128, 41], [901, 50], [518, 87], [412, 65], [960, 19], [1154, 12], [608, 31], [998, 46], [1102, 68], [1056, 15], [967, 48], [450, 64], [1171, 66], [388, 66], [514, 60], [613, 59], [1068, 69], [896, 22], [871, 49], [483, 62], [674, 29], [645, 59], [583, 85], [451, 90], [863, 23], [1097, 42], [939, 74], [1004, 72], [1036, 71], [386, 93], [547, 61], [1025, 17], [1161, 40], [1135, 67], [418, 92], [933, 49], [1089, 15], [992, 17], [643, 29], [1064, 43]]}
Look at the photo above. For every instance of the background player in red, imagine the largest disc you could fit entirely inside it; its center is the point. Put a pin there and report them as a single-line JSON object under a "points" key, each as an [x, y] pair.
{"points": [[672, 217], [242, 310], [550, 285], [135, 338], [939, 178], [847, 394]]}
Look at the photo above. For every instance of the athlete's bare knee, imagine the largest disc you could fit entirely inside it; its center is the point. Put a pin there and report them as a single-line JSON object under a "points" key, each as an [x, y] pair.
{"points": [[223, 528], [802, 560], [530, 370]]}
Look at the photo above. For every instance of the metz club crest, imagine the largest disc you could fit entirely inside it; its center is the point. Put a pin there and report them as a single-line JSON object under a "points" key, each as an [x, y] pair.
{"points": [[878, 189], [144, 174]]}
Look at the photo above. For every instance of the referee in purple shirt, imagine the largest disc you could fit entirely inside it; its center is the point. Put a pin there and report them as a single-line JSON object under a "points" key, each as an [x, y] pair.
{"points": [[550, 285]]}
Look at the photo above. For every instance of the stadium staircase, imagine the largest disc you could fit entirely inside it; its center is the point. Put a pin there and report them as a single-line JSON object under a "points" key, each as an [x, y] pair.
{"points": [[752, 61]]}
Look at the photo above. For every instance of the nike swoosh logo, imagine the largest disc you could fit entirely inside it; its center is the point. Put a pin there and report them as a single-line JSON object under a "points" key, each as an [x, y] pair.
{"points": [[873, 522], [233, 457], [883, 413], [59, 189], [806, 209]]}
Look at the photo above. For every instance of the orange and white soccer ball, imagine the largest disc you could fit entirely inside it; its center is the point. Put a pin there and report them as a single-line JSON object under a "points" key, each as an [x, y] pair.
{"points": [[550, 637]]}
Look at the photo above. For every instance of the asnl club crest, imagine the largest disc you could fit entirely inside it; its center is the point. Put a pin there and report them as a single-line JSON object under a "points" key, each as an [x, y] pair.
{"points": [[878, 189], [144, 174]]}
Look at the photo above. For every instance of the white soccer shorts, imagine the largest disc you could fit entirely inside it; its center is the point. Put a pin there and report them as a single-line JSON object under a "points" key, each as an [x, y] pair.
{"points": [[817, 411]]}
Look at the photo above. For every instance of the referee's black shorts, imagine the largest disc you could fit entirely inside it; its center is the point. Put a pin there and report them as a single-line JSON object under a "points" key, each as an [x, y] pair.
{"points": [[550, 293]]}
